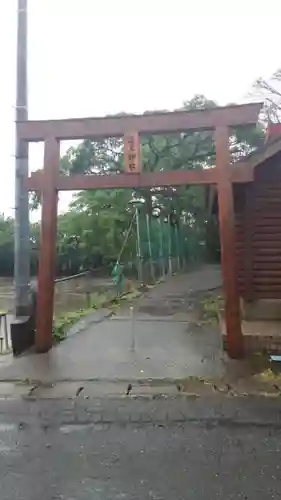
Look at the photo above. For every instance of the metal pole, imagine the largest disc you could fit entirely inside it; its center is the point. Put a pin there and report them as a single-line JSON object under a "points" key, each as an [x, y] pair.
{"points": [[139, 256], [133, 340], [170, 245], [162, 262], [149, 247], [22, 243], [6, 335], [178, 246]]}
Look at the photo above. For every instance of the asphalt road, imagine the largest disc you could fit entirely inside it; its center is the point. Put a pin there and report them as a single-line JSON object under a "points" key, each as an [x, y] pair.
{"points": [[50, 450]]}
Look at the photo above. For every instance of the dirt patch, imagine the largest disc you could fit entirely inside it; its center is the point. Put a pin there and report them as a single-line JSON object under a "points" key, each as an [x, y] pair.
{"points": [[166, 306], [201, 306]]}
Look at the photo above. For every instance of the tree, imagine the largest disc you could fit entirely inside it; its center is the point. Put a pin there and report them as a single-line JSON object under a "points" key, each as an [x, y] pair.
{"points": [[92, 157], [269, 90], [106, 215], [7, 246], [96, 222]]}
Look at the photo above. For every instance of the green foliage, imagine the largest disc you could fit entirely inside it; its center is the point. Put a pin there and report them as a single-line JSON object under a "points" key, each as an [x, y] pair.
{"points": [[97, 221], [212, 305], [63, 323], [268, 90], [7, 246]]}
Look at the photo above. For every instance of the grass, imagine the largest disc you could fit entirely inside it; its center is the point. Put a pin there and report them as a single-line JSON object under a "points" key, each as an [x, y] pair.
{"points": [[210, 306], [63, 322]]}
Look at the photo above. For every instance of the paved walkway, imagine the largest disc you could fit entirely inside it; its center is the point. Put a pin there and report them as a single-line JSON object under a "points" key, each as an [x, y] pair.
{"points": [[161, 342]]}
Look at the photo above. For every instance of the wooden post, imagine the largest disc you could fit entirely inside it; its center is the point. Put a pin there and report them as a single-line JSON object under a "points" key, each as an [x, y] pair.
{"points": [[132, 154], [46, 273], [228, 248]]}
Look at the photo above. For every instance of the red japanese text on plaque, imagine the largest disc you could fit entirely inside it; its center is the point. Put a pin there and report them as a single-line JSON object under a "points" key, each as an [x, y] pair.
{"points": [[132, 153]]}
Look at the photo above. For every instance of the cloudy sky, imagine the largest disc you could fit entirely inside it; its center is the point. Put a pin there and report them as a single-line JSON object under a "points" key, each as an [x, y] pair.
{"points": [[93, 57]]}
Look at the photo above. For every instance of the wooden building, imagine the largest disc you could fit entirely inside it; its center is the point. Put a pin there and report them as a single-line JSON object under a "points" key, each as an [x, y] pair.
{"points": [[257, 207]]}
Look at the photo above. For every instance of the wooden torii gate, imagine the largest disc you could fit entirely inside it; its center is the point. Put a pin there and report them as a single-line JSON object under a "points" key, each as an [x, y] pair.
{"points": [[49, 182]]}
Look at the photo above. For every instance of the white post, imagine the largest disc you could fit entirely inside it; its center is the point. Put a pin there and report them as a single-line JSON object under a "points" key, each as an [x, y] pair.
{"points": [[133, 341]]}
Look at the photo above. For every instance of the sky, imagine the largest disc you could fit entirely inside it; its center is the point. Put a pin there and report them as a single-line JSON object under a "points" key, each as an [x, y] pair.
{"points": [[97, 57]]}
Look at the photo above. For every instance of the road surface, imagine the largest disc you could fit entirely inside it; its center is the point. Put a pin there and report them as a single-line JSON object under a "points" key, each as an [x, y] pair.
{"points": [[80, 450]]}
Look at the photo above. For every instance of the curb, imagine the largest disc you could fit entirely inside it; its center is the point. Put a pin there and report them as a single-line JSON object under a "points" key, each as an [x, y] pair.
{"points": [[97, 316], [93, 318], [140, 390]]}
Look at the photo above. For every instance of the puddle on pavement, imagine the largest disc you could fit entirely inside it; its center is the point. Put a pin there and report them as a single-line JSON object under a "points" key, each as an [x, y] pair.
{"points": [[69, 429], [6, 448], [6, 427]]}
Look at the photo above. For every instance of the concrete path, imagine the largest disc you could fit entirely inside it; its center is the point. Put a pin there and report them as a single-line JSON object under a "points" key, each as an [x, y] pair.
{"points": [[162, 342], [196, 450]]}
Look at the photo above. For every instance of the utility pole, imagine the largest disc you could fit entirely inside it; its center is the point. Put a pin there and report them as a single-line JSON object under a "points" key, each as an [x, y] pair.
{"points": [[22, 242]]}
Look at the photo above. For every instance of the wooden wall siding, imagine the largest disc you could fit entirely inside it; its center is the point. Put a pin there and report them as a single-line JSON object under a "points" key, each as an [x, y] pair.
{"points": [[264, 268]]}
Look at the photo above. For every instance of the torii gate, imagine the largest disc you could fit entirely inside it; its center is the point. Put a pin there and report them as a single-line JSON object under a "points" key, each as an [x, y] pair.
{"points": [[49, 181]]}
